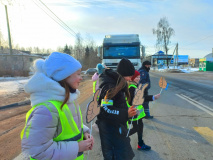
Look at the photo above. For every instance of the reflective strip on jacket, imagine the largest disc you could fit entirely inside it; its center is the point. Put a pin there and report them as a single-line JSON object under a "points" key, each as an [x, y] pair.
{"points": [[140, 107], [70, 131]]}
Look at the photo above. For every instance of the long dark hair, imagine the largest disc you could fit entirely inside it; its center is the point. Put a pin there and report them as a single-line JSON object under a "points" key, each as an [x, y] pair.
{"points": [[64, 84], [121, 83]]}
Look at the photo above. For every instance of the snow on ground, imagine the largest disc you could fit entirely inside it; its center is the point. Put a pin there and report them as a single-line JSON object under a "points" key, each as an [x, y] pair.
{"points": [[189, 70], [12, 85], [179, 68]]}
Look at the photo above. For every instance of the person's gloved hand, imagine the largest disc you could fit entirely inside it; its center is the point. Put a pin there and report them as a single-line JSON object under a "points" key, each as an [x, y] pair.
{"points": [[157, 96]]}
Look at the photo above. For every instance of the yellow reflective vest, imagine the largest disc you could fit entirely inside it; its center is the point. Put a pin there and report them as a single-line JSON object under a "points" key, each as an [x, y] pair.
{"points": [[70, 131], [140, 107], [94, 84]]}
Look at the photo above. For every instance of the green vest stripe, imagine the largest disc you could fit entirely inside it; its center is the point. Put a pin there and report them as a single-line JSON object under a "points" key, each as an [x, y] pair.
{"points": [[140, 107]]}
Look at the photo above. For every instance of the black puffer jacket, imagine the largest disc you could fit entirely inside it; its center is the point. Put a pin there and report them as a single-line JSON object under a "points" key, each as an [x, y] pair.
{"points": [[144, 78], [107, 80], [112, 127]]}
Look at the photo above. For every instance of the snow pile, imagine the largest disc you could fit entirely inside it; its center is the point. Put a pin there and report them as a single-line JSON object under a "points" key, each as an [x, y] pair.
{"points": [[189, 70], [12, 78], [179, 69], [12, 85]]}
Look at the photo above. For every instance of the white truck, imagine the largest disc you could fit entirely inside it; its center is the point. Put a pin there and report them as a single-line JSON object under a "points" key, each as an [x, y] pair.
{"points": [[116, 47]]}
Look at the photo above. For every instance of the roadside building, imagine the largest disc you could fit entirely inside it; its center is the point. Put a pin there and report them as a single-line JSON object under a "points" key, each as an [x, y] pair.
{"points": [[194, 62], [206, 63], [16, 64], [159, 59]]}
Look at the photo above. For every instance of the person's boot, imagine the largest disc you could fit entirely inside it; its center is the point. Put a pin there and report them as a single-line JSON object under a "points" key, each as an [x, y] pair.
{"points": [[149, 117], [144, 147]]}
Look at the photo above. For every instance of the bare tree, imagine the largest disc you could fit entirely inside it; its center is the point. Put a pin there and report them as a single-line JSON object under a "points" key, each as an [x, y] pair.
{"points": [[71, 50], [79, 49], [30, 49], [89, 41], [2, 42], [8, 2], [164, 33]]}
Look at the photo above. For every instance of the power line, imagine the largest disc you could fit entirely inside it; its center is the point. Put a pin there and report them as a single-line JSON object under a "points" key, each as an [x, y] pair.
{"points": [[194, 49], [197, 41], [62, 25], [58, 17]]}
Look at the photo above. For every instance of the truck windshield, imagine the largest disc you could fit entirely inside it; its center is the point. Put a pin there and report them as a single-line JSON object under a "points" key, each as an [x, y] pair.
{"points": [[112, 52]]}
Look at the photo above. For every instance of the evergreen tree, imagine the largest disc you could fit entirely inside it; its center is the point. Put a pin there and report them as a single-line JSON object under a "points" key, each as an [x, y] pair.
{"points": [[66, 50], [87, 50]]}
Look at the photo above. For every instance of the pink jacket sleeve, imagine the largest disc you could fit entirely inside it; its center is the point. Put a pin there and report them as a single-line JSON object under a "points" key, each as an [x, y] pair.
{"points": [[95, 77]]}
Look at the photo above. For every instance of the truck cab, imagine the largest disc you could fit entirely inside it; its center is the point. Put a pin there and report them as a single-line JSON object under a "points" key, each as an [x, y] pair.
{"points": [[116, 47]]}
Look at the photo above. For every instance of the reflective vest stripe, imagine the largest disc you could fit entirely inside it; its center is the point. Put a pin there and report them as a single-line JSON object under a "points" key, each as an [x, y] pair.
{"points": [[140, 107]]}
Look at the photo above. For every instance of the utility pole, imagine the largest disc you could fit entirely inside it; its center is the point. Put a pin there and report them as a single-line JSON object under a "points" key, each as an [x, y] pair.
{"points": [[175, 60], [177, 54], [8, 28]]}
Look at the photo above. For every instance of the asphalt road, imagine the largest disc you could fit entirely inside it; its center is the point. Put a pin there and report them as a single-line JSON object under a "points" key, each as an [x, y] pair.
{"points": [[182, 126]]}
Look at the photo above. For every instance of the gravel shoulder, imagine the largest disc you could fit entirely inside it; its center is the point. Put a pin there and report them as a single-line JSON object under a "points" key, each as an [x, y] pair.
{"points": [[12, 120]]}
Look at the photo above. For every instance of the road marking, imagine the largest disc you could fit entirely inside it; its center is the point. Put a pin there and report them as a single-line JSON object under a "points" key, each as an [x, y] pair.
{"points": [[197, 104], [206, 133], [194, 141]]}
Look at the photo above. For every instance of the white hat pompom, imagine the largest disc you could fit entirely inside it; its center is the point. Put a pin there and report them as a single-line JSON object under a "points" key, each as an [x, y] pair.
{"points": [[39, 65]]}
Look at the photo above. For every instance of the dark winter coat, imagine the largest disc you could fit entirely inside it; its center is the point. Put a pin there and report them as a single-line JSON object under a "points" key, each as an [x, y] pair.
{"points": [[107, 81], [144, 78], [112, 127]]}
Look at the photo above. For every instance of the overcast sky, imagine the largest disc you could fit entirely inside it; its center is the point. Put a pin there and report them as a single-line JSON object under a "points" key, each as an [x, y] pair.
{"points": [[192, 21]]}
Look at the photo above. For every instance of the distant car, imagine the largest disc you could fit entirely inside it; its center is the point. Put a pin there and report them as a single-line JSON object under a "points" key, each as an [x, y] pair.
{"points": [[91, 71], [83, 72]]}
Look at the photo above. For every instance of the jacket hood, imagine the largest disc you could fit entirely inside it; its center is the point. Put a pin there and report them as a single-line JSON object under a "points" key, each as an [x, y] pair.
{"points": [[108, 76], [42, 88]]}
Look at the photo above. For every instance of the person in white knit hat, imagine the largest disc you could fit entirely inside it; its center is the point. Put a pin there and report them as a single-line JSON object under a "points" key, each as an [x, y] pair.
{"points": [[54, 126]]}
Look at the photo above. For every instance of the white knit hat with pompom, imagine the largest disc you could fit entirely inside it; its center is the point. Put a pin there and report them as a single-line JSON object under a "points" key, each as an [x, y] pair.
{"points": [[57, 66]]}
